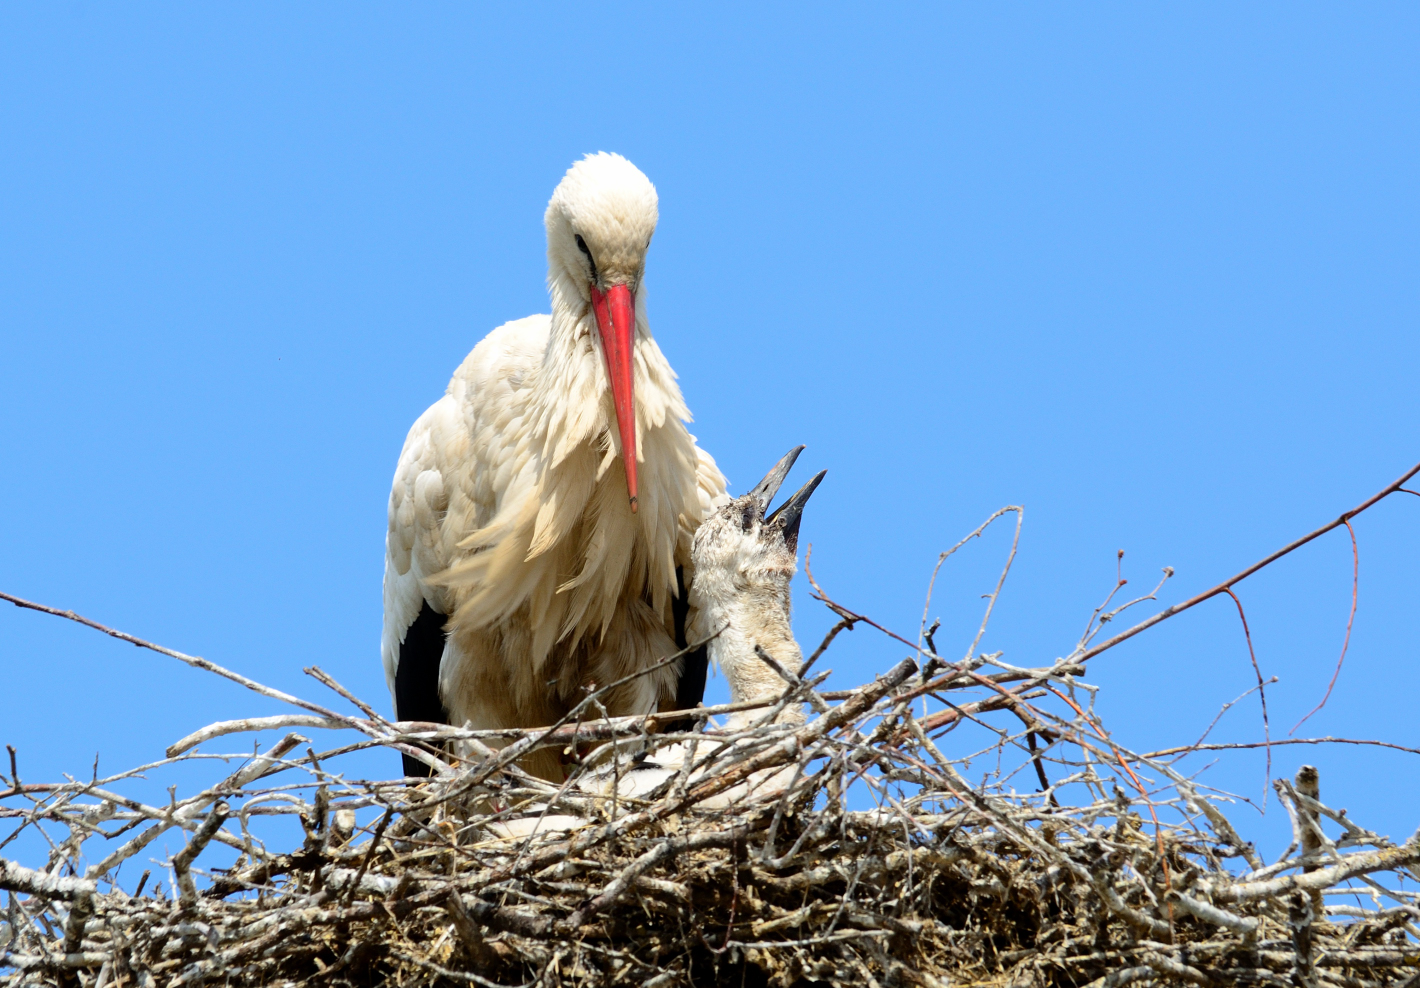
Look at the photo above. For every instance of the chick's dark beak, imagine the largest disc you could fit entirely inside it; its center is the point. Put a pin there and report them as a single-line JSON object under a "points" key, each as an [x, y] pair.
{"points": [[788, 515], [764, 491]]}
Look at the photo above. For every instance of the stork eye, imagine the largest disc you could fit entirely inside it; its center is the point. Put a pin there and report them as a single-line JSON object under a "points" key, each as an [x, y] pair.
{"points": [[582, 246]]}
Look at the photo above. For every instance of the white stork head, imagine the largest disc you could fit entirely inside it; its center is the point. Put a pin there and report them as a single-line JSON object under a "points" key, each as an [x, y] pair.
{"points": [[599, 227], [744, 561]]}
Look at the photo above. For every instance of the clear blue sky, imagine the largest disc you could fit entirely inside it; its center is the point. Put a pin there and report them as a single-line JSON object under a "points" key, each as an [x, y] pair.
{"points": [[1149, 270]]}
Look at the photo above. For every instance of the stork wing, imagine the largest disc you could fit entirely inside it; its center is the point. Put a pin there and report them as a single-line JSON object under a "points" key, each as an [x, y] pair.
{"points": [[416, 546], [412, 646]]}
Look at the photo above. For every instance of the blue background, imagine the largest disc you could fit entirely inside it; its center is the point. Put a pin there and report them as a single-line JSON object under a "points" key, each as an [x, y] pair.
{"points": [[1147, 270]]}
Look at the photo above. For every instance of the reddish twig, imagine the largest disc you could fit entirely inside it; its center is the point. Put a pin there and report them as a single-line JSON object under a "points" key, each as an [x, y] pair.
{"points": [[1169, 612], [1120, 581], [1346, 642], [1189, 749], [1261, 689], [847, 615]]}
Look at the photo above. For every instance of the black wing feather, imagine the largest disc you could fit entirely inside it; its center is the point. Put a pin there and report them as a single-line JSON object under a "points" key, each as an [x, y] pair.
{"points": [[416, 678], [694, 666]]}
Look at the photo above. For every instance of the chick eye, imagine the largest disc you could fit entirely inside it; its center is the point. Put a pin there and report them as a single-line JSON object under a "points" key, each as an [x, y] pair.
{"points": [[582, 246]]}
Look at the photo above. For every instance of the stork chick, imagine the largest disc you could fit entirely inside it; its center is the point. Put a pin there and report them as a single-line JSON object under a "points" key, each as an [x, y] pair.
{"points": [[745, 559], [744, 562]]}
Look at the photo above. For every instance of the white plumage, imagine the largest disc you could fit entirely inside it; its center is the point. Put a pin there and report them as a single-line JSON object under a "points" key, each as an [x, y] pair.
{"points": [[514, 514]]}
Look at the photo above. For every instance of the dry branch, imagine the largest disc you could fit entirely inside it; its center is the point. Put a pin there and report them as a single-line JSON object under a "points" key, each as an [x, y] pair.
{"points": [[1232, 581]]}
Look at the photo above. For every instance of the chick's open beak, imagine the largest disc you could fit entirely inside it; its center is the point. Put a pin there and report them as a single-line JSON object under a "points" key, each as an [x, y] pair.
{"points": [[788, 515], [764, 491]]}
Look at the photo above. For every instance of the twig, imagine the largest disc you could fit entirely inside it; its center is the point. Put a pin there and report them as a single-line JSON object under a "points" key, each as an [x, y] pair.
{"points": [[182, 862], [192, 660], [1000, 581], [1212, 592], [1346, 642], [1261, 691], [1277, 743]]}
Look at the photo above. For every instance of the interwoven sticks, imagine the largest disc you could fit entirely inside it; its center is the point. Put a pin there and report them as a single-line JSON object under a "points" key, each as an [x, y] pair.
{"points": [[943, 882], [1074, 861]]}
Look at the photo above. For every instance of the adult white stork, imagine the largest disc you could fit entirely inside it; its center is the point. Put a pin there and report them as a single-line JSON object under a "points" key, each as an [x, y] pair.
{"points": [[542, 511]]}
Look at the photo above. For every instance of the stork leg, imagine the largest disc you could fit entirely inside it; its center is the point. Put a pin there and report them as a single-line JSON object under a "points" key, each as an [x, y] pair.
{"points": [[416, 678]]}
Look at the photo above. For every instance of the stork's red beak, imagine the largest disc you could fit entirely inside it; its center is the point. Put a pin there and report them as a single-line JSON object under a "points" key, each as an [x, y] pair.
{"points": [[616, 320]]}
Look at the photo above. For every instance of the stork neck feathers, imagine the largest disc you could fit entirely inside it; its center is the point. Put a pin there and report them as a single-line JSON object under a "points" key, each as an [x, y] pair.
{"points": [[743, 570], [753, 622]]}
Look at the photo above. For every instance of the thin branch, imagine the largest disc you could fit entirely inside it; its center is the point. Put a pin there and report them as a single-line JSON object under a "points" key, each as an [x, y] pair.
{"points": [[1000, 581], [192, 660], [1212, 592], [1350, 618], [1261, 688], [1188, 749], [977, 533]]}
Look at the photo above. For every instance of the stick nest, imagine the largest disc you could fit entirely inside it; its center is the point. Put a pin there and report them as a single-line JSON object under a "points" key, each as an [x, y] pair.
{"points": [[868, 858], [942, 882]]}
